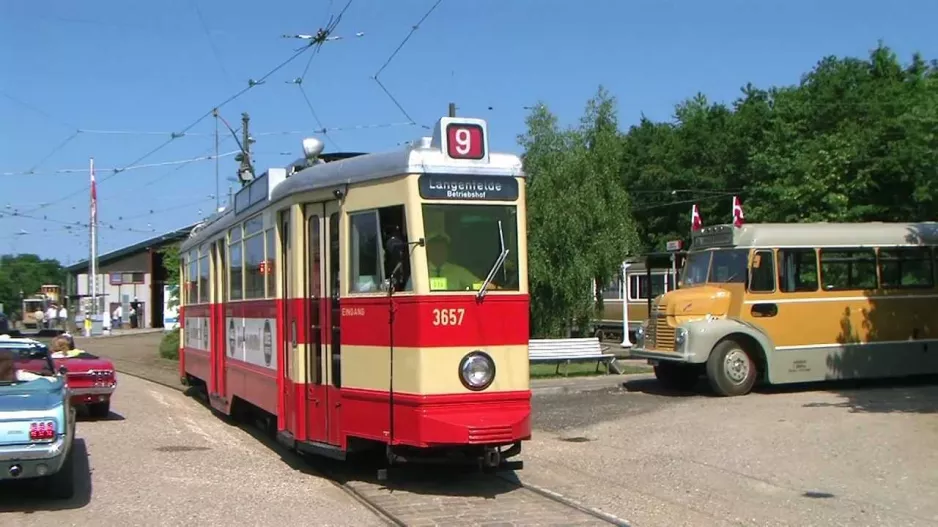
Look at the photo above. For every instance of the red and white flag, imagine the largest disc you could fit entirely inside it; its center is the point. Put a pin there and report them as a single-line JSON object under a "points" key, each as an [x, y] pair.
{"points": [[94, 196], [695, 221], [738, 217]]}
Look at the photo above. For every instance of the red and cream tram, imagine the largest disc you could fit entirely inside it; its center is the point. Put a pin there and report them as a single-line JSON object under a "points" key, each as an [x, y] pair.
{"points": [[370, 300]]}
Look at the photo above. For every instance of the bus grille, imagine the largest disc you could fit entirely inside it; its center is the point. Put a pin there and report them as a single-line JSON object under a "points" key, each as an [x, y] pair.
{"points": [[660, 335]]}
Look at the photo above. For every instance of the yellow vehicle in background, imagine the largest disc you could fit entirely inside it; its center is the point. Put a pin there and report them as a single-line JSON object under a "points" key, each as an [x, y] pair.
{"points": [[789, 303], [48, 294]]}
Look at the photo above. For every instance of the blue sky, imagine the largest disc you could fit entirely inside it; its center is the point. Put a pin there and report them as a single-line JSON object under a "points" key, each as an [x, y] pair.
{"points": [[112, 65]]}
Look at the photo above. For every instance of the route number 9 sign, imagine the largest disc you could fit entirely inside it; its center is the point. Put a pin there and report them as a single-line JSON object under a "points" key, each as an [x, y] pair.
{"points": [[465, 141]]}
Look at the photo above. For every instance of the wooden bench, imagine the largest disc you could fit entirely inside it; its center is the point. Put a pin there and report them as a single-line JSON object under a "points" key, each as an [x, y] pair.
{"points": [[565, 351]]}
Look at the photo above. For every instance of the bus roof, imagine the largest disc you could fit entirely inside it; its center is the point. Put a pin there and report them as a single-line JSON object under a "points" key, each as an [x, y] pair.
{"points": [[820, 234]]}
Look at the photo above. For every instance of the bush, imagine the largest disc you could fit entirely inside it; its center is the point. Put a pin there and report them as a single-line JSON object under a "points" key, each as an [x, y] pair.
{"points": [[169, 346]]}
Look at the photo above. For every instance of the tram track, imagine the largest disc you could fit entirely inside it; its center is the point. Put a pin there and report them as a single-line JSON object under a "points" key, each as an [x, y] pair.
{"points": [[411, 497]]}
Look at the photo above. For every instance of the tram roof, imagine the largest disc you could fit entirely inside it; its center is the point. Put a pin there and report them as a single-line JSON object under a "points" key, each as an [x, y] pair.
{"points": [[423, 156], [818, 234]]}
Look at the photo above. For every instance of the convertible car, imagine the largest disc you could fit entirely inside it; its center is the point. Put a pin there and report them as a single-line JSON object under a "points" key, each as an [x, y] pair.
{"points": [[91, 379], [37, 421]]}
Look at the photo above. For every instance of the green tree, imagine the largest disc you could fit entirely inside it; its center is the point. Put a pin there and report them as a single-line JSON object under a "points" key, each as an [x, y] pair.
{"points": [[26, 273], [579, 217], [171, 262]]}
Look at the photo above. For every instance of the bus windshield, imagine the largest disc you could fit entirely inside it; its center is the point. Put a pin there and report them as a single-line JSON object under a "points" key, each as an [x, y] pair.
{"points": [[721, 266], [464, 242]]}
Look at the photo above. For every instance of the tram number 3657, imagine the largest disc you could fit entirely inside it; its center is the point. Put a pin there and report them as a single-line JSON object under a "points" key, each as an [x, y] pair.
{"points": [[448, 317]]}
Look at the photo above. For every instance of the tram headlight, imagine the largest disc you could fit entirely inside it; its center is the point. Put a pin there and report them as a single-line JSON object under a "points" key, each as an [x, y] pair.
{"points": [[477, 370]]}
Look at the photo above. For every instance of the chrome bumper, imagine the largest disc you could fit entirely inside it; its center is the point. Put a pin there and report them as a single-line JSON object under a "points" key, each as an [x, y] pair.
{"points": [[38, 459], [92, 390], [652, 355]]}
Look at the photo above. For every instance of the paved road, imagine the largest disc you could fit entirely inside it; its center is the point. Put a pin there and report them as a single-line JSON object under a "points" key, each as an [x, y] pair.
{"points": [[162, 459]]}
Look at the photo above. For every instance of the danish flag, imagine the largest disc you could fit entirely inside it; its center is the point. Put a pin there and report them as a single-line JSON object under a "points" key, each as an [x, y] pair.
{"points": [[738, 217], [94, 196], [695, 221]]}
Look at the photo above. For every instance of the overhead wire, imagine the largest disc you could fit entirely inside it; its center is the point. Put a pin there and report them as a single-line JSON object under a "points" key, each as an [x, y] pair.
{"points": [[110, 225], [211, 41], [125, 169], [175, 135], [377, 74], [319, 39]]}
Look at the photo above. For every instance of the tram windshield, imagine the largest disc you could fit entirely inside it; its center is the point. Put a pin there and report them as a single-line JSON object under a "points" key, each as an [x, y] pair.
{"points": [[722, 266], [464, 242]]}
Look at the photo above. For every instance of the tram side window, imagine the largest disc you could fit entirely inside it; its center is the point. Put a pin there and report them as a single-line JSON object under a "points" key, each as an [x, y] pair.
{"points": [[762, 272], [907, 267], [192, 277], [612, 291], [235, 253], [204, 275], [253, 257], [270, 262], [368, 234], [638, 286], [392, 223], [797, 270], [850, 269]]}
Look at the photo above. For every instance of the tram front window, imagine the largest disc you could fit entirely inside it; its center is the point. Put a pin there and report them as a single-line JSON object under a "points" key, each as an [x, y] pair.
{"points": [[464, 242]]}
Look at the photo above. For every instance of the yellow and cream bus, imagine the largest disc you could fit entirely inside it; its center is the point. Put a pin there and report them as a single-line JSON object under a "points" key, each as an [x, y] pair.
{"points": [[787, 303]]}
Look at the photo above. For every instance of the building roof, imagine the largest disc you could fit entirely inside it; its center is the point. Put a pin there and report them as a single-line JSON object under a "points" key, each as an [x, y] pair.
{"points": [[156, 241]]}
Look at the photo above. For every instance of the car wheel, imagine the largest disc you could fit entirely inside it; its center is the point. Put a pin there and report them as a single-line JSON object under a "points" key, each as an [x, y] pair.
{"points": [[100, 410], [730, 369], [61, 485]]}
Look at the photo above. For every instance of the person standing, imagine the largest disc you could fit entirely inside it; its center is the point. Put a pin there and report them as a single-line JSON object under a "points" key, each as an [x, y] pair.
{"points": [[116, 316], [63, 318], [52, 316], [39, 317]]}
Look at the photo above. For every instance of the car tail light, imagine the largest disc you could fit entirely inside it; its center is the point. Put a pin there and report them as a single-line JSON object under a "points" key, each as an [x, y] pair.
{"points": [[42, 431], [103, 378]]}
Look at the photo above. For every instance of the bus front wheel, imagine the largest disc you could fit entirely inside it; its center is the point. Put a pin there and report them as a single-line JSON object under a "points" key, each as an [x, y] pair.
{"points": [[730, 369]]}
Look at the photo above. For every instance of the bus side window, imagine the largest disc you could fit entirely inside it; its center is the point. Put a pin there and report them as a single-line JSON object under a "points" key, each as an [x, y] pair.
{"points": [[906, 267], [797, 270], [762, 272], [848, 269]]}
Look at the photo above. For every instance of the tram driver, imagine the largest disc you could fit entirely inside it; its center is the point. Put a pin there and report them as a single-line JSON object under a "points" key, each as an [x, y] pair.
{"points": [[445, 275]]}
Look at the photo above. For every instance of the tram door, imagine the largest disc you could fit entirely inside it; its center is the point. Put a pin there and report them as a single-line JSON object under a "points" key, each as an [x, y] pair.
{"points": [[331, 323], [322, 303], [287, 417], [316, 397], [219, 290]]}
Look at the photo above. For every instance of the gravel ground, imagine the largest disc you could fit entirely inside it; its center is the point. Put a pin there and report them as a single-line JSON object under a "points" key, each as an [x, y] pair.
{"points": [[794, 457], [823, 455], [163, 459]]}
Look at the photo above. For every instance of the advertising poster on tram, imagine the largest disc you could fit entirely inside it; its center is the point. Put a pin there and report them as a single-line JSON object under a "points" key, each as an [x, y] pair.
{"points": [[196, 333], [252, 340]]}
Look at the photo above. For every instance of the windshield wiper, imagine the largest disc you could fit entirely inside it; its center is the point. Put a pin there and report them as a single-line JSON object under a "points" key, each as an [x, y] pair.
{"points": [[498, 263]]}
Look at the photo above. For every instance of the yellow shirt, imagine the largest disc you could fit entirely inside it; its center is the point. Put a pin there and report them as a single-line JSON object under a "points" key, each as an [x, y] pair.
{"points": [[451, 277]]}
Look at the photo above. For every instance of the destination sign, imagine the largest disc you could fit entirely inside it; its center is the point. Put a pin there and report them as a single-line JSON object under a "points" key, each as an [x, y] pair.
{"points": [[713, 239], [451, 186]]}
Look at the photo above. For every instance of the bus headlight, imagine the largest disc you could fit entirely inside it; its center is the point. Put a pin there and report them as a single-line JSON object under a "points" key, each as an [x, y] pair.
{"points": [[680, 336], [640, 333], [477, 370]]}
